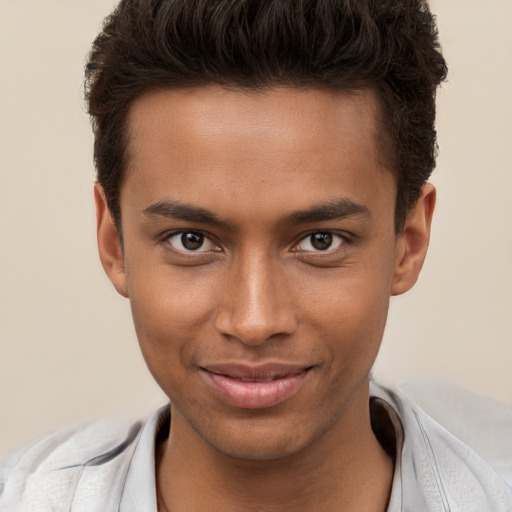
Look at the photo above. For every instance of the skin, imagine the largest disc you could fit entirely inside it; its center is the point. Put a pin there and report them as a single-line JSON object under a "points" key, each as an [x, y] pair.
{"points": [[258, 291]]}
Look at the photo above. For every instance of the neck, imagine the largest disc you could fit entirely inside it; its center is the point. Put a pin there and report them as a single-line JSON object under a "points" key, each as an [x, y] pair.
{"points": [[346, 469]]}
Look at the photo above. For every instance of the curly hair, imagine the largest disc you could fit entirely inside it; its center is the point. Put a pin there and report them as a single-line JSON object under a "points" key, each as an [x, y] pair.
{"points": [[390, 46]]}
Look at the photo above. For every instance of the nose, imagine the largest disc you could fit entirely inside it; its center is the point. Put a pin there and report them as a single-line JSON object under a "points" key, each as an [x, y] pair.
{"points": [[255, 306]]}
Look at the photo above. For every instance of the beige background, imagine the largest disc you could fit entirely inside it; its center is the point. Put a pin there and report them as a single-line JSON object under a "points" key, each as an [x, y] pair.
{"points": [[67, 348]]}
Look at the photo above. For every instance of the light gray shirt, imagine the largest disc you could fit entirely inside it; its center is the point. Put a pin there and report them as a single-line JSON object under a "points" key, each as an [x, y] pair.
{"points": [[108, 466]]}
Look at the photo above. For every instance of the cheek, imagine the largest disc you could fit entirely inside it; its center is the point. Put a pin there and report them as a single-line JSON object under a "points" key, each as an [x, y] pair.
{"points": [[349, 308], [170, 310], [355, 316]]}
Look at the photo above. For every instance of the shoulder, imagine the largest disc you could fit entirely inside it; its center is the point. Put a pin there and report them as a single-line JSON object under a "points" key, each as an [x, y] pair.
{"points": [[456, 448], [480, 422], [44, 474]]}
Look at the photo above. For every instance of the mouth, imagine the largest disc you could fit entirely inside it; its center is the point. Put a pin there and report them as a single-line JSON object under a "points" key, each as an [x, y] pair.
{"points": [[255, 387]]}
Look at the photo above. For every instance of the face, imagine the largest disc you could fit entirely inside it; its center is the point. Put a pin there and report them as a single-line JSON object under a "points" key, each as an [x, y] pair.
{"points": [[259, 258]]}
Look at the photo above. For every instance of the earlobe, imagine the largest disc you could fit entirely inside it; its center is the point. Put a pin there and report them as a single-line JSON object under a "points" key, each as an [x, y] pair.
{"points": [[109, 244], [412, 243]]}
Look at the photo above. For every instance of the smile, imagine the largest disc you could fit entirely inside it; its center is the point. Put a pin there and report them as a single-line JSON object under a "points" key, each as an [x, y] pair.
{"points": [[254, 387]]}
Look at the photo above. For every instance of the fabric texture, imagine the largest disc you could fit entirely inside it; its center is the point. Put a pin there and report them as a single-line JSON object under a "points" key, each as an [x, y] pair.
{"points": [[110, 465]]}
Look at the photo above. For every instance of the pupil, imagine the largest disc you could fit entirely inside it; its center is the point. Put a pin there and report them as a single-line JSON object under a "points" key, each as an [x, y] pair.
{"points": [[192, 241], [321, 241]]}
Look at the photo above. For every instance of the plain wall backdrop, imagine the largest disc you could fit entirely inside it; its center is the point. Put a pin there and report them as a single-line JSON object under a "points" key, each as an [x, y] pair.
{"points": [[67, 346]]}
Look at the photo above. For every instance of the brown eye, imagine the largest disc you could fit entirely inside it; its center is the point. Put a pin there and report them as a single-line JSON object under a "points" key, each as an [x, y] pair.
{"points": [[191, 241], [320, 241]]}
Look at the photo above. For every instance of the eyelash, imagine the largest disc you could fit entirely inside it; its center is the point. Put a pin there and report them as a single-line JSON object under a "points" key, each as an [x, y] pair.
{"points": [[205, 237], [343, 240]]}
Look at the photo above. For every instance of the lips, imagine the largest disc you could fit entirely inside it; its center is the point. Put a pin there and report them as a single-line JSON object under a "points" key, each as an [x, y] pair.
{"points": [[254, 387]]}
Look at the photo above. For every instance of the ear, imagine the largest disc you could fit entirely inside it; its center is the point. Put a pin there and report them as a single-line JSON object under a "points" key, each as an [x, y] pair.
{"points": [[412, 243], [109, 244]]}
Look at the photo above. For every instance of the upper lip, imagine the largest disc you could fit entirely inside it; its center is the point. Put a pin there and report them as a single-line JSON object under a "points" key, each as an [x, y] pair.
{"points": [[256, 372]]}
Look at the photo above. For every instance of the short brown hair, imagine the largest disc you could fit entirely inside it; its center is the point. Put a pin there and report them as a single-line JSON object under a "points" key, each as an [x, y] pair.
{"points": [[390, 46]]}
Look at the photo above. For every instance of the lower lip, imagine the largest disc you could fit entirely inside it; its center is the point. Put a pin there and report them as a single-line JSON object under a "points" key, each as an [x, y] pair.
{"points": [[255, 395]]}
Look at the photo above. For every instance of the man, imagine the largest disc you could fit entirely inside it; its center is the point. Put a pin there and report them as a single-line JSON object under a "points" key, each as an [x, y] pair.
{"points": [[262, 192]]}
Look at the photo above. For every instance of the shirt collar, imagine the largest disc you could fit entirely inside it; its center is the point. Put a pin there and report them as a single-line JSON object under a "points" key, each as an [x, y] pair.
{"points": [[139, 492]]}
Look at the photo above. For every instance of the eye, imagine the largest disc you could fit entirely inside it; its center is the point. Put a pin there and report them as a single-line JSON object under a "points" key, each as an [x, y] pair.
{"points": [[320, 241], [191, 241]]}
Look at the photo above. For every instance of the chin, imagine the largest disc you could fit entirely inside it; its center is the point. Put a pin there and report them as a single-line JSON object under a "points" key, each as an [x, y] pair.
{"points": [[260, 438]]}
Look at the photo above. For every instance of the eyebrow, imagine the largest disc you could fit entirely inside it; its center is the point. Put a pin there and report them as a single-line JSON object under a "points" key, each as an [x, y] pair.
{"points": [[172, 209], [330, 210]]}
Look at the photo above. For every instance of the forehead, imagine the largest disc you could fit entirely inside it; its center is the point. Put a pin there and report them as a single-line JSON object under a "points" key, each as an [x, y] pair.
{"points": [[239, 146], [316, 115]]}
